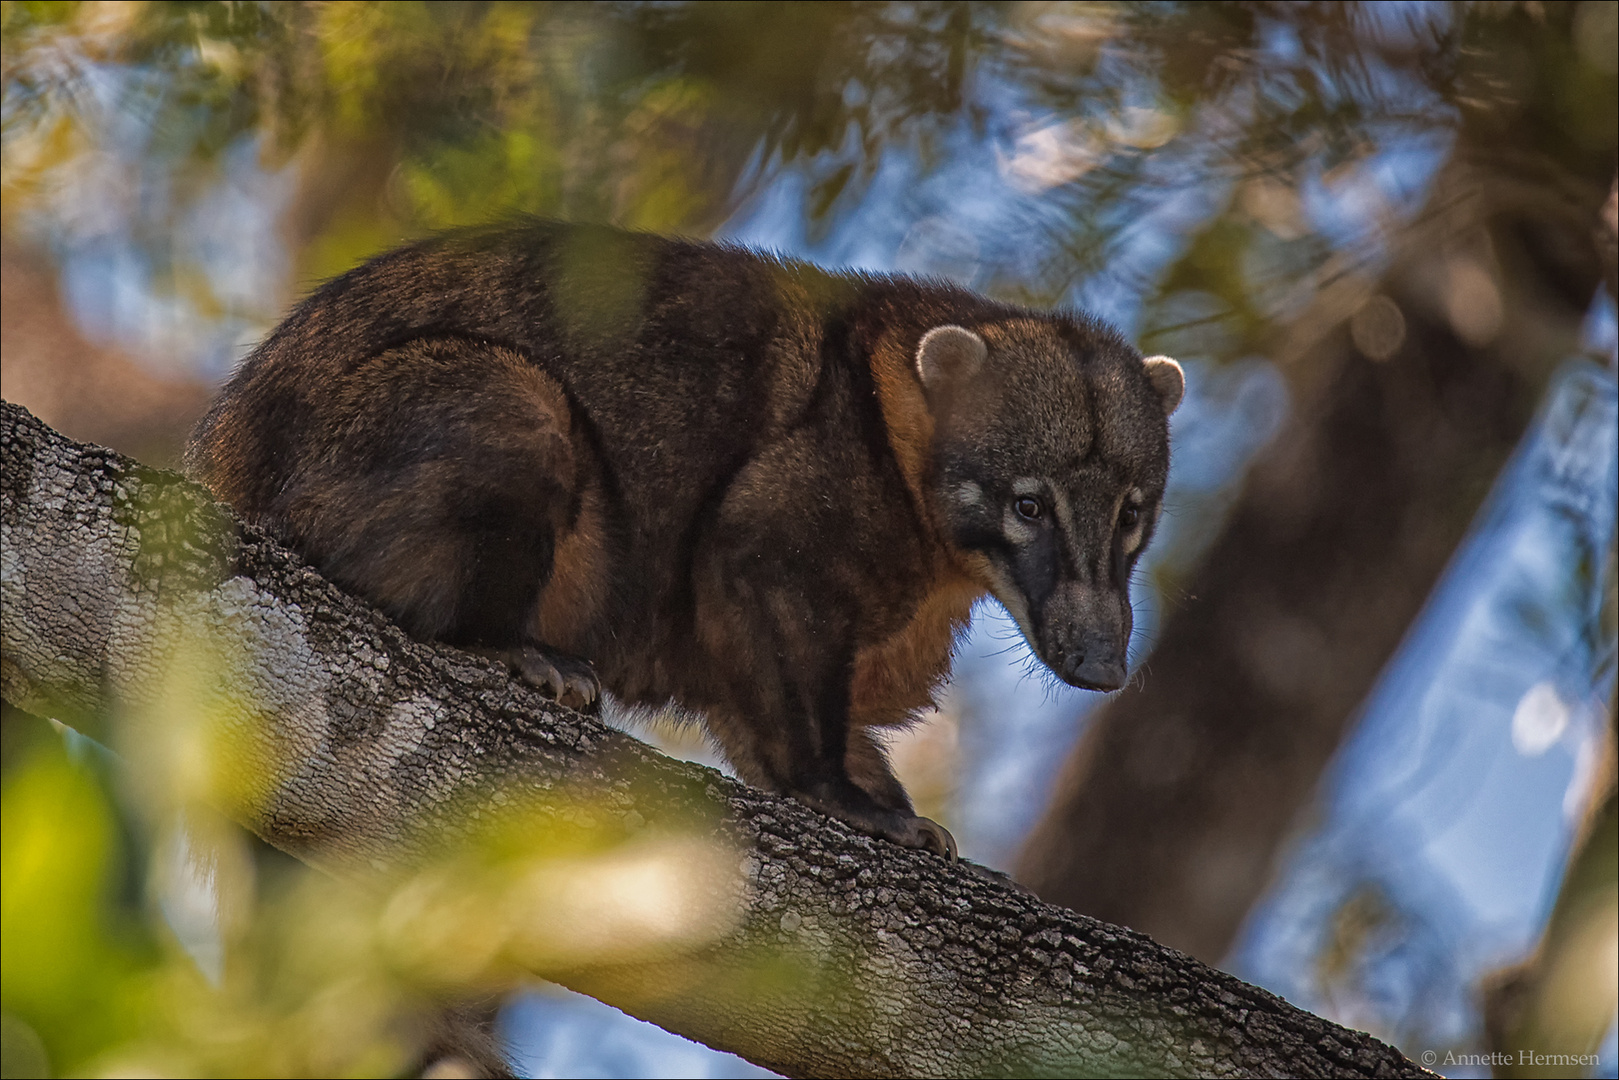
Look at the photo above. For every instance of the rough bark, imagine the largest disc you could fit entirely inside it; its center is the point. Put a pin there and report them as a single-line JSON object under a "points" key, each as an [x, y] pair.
{"points": [[367, 750], [1171, 811]]}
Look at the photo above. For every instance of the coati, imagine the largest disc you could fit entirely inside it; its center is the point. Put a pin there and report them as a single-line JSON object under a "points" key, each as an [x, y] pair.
{"points": [[690, 472]]}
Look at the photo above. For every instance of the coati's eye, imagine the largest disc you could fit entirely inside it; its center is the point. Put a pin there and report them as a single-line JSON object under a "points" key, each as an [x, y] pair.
{"points": [[1129, 518], [1027, 507]]}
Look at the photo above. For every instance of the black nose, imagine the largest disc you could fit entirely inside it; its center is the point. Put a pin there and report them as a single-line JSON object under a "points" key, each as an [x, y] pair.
{"points": [[1096, 671]]}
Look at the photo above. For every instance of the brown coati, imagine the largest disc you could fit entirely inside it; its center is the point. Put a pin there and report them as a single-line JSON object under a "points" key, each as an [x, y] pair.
{"points": [[763, 491]]}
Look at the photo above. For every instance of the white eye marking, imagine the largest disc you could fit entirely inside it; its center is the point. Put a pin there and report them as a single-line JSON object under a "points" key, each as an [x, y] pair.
{"points": [[1016, 528], [1130, 506], [1051, 495], [969, 493]]}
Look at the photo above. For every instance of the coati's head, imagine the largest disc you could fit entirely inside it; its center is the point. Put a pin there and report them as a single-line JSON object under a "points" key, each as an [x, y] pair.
{"points": [[1050, 454]]}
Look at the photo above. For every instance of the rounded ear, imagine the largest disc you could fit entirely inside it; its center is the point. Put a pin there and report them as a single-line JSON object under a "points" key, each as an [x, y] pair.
{"points": [[1168, 379], [947, 355]]}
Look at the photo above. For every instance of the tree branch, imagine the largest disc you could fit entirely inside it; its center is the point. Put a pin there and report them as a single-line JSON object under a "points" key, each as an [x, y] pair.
{"points": [[364, 752]]}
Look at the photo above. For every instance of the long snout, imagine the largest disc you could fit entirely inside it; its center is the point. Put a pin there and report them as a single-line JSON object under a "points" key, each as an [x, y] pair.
{"points": [[1085, 634]]}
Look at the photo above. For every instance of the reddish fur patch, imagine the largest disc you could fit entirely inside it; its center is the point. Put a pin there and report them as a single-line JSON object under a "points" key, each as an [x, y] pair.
{"points": [[895, 677], [905, 413]]}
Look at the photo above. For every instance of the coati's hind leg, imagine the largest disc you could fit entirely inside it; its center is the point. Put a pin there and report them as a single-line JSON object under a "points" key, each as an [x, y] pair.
{"points": [[447, 477]]}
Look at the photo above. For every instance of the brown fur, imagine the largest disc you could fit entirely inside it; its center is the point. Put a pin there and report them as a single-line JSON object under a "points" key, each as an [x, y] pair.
{"points": [[898, 675], [905, 412], [577, 592], [745, 486]]}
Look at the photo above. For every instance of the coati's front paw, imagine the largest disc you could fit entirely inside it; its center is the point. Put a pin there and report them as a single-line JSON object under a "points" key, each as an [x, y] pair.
{"points": [[568, 679], [929, 835], [904, 829], [910, 830]]}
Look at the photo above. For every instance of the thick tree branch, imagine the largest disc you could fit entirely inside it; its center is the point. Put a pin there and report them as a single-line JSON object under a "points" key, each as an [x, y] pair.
{"points": [[363, 749]]}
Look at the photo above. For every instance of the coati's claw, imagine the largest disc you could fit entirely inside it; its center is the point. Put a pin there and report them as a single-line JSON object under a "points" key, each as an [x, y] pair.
{"points": [[571, 681], [906, 830], [923, 833], [935, 838]]}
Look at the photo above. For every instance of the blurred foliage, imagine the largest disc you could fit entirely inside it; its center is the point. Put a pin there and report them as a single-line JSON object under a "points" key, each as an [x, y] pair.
{"points": [[405, 117], [1225, 125], [424, 115], [144, 934], [171, 950], [75, 960]]}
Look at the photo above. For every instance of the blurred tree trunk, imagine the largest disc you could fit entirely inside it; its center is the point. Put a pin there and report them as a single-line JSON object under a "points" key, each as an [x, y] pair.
{"points": [[1409, 394]]}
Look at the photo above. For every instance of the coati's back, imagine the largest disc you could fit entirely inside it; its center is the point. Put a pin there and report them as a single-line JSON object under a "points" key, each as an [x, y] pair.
{"points": [[610, 314], [673, 362]]}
